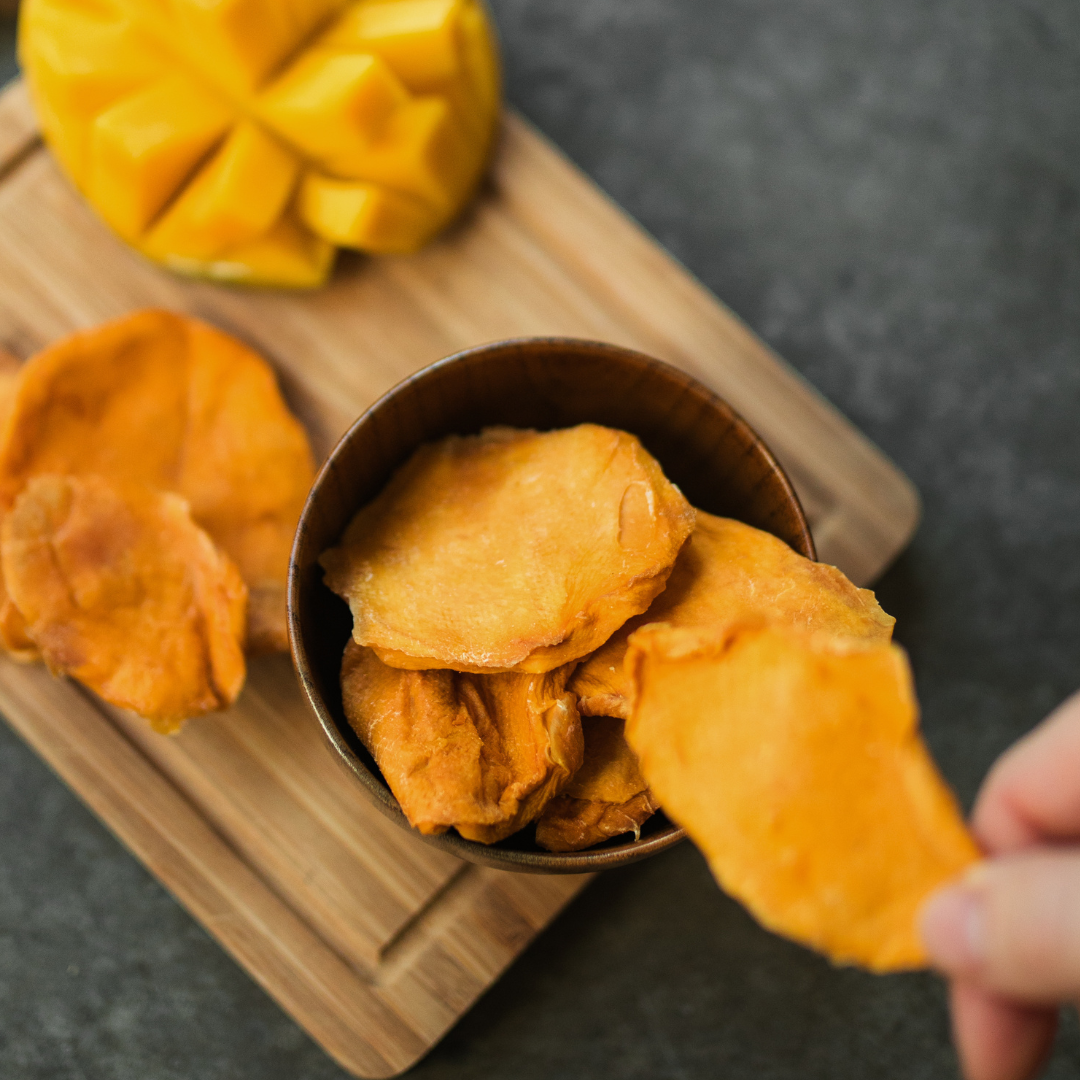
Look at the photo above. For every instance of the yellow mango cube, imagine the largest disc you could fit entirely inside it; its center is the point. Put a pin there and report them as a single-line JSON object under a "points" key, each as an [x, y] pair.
{"points": [[242, 39], [288, 256], [417, 38], [235, 198], [332, 105], [481, 58], [434, 46], [143, 147], [420, 152], [369, 217], [68, 53]]}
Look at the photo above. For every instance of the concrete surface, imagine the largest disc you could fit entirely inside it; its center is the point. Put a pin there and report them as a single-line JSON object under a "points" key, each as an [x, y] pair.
{"points": [[889, 192]]}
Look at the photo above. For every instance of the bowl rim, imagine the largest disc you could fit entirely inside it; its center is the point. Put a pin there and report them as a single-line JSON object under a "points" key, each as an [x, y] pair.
{"points": [[588, 860]]}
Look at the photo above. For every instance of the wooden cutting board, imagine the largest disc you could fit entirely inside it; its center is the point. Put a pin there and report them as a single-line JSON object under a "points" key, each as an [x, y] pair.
{"points": [[373, 941]]}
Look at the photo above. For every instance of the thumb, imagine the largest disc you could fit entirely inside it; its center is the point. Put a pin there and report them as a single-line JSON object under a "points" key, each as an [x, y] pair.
{"points": [[1011, 926]]}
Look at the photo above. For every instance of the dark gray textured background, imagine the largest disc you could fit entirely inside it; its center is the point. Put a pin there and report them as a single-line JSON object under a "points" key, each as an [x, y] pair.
{"points": [[889, 192]]}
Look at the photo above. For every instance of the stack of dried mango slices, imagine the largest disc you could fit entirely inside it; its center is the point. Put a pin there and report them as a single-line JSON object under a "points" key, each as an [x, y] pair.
{"points": [[151, 478], [545, 631]]}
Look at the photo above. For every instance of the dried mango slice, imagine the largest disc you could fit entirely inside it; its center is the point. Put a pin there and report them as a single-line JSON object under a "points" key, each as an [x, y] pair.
{"points": [[188, 125], [167, 401], [13, 637], [509, 550], [607, 796], [122, 590], [10, 370], [246, 469], [726, 571], [482, 754], [795, 763]]}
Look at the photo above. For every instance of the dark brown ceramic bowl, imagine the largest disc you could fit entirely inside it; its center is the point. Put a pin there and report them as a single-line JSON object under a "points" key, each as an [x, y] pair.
{"points": [[718, 462]]}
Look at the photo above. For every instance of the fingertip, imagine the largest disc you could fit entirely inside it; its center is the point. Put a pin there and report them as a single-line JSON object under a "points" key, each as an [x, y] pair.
{"points": [[998, 1039], [1028, 795], [952, 924]]}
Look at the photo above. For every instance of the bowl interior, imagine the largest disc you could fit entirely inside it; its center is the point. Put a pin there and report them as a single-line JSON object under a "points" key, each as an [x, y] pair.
{"points": [[718, 462]]}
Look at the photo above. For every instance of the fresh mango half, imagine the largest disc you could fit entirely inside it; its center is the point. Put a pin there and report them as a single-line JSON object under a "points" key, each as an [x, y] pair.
{"points": [[246, 140]]}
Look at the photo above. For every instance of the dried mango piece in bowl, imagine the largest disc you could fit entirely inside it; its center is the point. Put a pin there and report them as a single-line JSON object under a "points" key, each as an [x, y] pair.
{"points": [[606, 797], [167, 401], [120, 589], [728, 571], [794, 762], [510, 550], [245, 140], [482, 754]]}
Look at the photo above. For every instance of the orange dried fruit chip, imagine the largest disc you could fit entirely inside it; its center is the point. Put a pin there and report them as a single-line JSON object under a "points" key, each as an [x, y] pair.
{"points": [[10, 369], [246, 469], [13, 637], [482, 754], [727, 571], [167, 401], [122, 590], [608, 795], [795, 763], [509, 550], [569, 824]]}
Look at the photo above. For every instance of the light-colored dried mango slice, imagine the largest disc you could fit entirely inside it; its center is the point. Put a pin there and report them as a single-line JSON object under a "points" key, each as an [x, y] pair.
{"points": [[167, 401], [728, 570], [607, 797], [795, 763], [10, 372], [120, 589], [153, 110], [509, 550], [13, 639], [482, 754]]}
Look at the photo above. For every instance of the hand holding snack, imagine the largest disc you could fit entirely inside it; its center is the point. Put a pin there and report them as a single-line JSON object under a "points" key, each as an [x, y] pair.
{"points": [[1008, 935]]}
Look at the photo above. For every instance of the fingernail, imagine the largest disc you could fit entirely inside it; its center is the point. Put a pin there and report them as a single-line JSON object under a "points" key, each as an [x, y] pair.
{"points": [[952, 923]]}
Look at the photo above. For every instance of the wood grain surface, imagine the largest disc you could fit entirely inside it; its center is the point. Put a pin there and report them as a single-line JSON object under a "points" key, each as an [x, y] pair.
{"points": [[373, 941]]}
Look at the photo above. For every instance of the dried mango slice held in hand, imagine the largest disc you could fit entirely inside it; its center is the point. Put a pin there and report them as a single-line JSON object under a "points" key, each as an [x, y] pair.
{"points": [[162, 400], [510, 550], [726, 571], [479, 753], [122, 590], [243, 140], [795, 763]]}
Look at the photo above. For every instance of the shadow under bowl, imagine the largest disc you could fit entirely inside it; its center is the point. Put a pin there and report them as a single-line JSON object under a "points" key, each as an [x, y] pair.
{"points": [[720, 464]]}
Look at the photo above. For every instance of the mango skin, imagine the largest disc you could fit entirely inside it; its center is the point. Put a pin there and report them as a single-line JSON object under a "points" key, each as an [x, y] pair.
{"points": [[244, 141]]}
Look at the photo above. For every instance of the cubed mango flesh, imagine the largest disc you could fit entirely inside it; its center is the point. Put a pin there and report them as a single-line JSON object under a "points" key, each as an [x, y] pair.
{"points": [[366, 216], [245, 140]]}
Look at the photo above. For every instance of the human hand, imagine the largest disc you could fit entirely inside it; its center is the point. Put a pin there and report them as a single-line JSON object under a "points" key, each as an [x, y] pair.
{"points": [[1007, 935]]}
